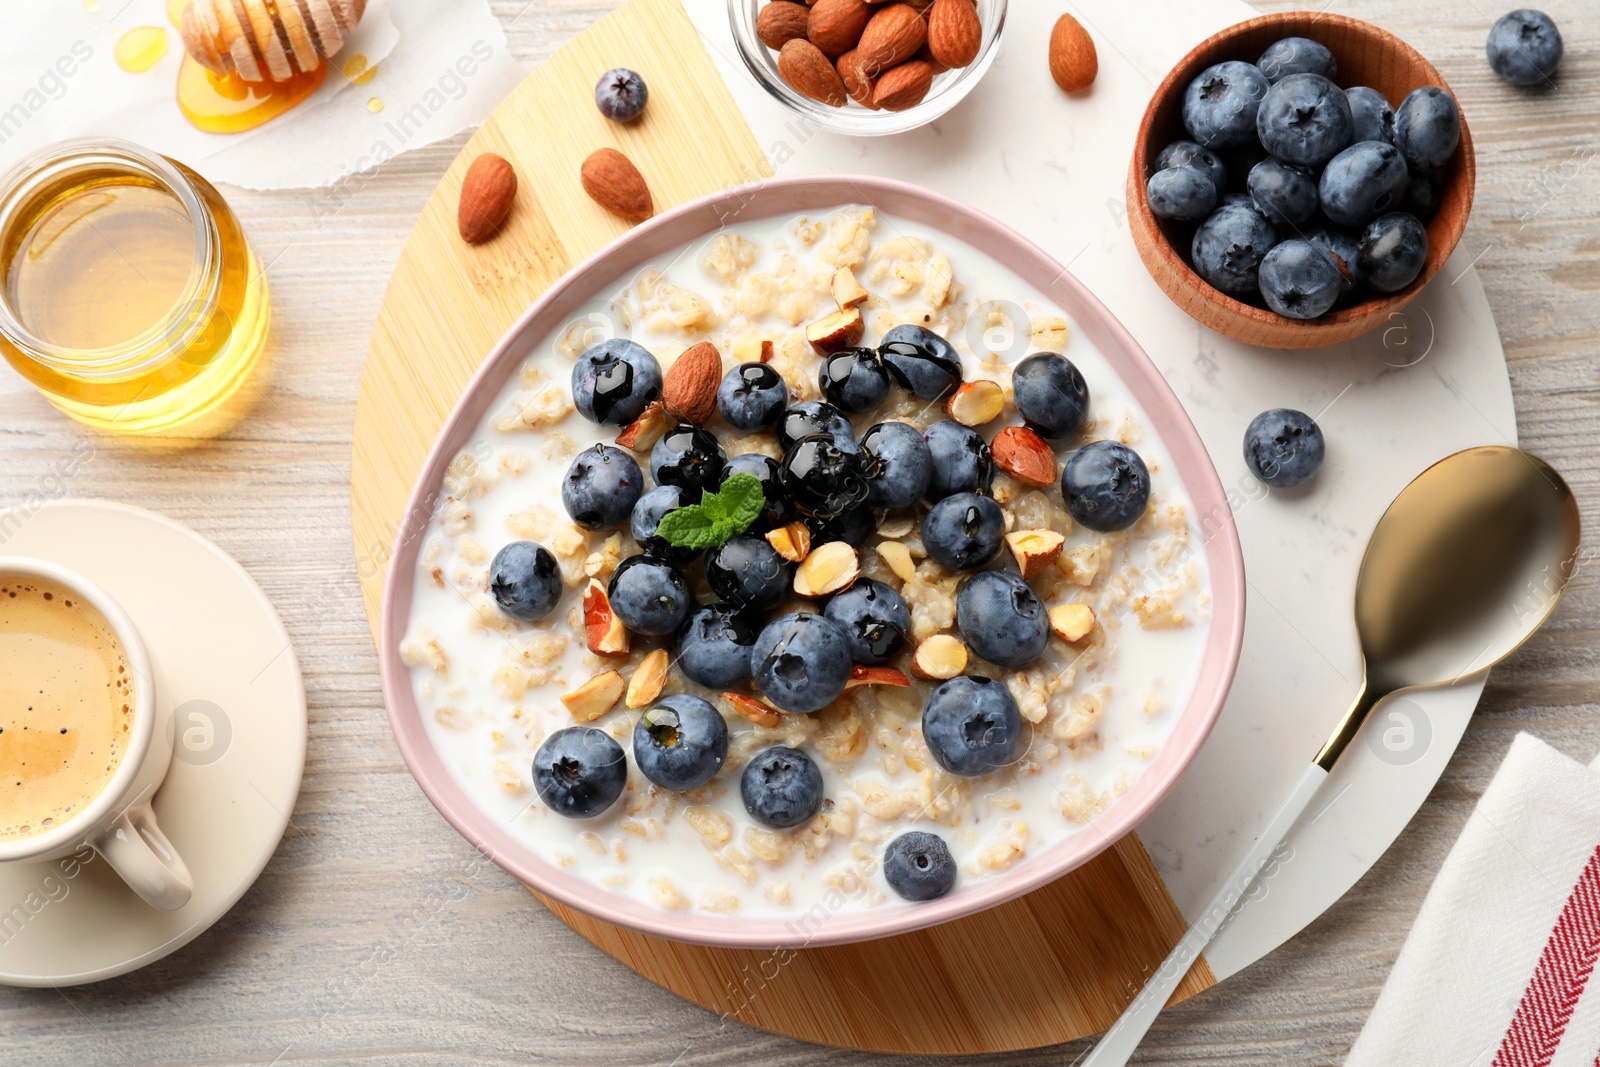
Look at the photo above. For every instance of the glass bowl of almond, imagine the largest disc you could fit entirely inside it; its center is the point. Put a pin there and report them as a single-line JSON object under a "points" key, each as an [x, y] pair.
{"points": [[867, 68]]}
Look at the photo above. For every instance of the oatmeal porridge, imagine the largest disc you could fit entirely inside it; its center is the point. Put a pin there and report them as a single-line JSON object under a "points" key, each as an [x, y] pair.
{"points": [[880, 580]]}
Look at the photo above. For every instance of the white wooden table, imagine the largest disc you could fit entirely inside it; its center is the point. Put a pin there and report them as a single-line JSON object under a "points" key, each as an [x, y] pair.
{"points": [[376, 936]]}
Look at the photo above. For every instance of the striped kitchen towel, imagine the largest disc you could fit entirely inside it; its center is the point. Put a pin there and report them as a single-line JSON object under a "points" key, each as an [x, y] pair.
{"points": [[1499, 969]]}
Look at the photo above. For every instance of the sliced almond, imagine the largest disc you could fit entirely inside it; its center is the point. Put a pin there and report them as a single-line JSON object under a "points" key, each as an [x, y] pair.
{"points": [[595, 697], [792, 542], [768, 352], [976, 403], [649, 678], [847, 292], [605, 633], [1072, 622], [860, 675], [898, 557], [752, 709], [940, 657], [839, 330], [1025, 456], [652, 425], [1034, 550], [827, 570]]}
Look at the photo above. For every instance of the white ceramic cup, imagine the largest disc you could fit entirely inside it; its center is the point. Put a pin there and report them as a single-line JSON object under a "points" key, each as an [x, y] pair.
{"points": [[119, 824]]}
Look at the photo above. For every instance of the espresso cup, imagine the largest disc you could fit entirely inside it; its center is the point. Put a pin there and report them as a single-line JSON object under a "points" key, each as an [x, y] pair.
{"points": [[117, 821]]}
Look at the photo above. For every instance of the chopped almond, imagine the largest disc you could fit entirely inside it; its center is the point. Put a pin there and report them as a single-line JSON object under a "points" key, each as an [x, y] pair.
{"points": [[648, 679], [1034, 550], [595, 697], [606, 634], [1072, 622], [940, 657], [752, 709], [828, 569]]}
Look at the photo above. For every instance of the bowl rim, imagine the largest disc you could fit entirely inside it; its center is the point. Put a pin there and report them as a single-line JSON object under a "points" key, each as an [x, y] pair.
{"points": [[1218, 540], [1339, 324]]}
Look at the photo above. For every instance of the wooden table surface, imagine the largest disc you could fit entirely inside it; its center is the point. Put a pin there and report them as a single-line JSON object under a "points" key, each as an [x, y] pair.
{"points": [[374, 937]]}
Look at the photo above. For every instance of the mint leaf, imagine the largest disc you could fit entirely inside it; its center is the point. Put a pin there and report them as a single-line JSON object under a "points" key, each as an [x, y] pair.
{"points": [[718, 518]]}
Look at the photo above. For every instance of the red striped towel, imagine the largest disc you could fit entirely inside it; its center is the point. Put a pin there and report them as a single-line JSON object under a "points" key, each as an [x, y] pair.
{"points": [[1499, 970]]}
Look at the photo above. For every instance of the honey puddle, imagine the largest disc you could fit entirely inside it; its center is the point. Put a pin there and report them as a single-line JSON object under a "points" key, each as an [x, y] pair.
{"points": [[226, 103], [141, 48]]}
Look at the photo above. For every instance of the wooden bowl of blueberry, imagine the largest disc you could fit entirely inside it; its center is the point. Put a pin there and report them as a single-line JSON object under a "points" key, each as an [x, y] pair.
{"points": [[1298, 178]]}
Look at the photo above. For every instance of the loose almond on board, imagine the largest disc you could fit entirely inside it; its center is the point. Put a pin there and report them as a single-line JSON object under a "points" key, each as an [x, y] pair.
{"points": [[1025, 456], [1073, 60], [955, 36], [905, 86], [780, 22], [836, 25], [613, 182], [487, 192], [810, 73], [895, 34], [689, 391]]}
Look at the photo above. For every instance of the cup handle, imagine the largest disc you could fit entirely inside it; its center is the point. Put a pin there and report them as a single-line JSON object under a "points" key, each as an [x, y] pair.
{"points": [[139, 852]]}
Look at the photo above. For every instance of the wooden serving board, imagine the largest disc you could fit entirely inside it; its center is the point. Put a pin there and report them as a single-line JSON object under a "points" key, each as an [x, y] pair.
{"points": [[1053, 966]]}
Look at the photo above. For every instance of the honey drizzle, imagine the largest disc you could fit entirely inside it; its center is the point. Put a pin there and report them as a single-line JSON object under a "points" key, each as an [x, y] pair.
{"points": [[226, 103]]}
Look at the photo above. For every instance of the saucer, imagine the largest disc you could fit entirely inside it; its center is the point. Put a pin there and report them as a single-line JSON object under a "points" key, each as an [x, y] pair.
{"points": [[228, 688]]}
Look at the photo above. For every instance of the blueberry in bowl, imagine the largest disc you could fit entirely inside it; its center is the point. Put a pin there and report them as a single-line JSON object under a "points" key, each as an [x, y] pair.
{"points": [[747, 573], [918, 866], [1283, 447], [1427, 129], [920, 360], [972, 725], [853, 527], [1285, 194], [963, 531], [752, 396], [896, 463], [1183, 193], [1229, 246], [1300, 280], [822, 478], [1050, 395], [801, 662], [1304, 119], [853, 380], [875, 619], [1106, 486], [613, 382], [1002, 619], [1362, 182], [781, 788], [1392, 251], [689, 458], [1220, 106], [579, 772], [775, 507], [601, 488], [1340, 245], [650, 596], [1297, 55], [962, 462], [1190, 154], [713, 647], [525, 581], [680, 742], [814, 417], [646, 518], [1371, 114]]}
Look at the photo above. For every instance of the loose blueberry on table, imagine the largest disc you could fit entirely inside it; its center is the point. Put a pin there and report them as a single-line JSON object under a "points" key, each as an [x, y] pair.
{"points": [[1283, 447], [621, 95], [1524, 47]]}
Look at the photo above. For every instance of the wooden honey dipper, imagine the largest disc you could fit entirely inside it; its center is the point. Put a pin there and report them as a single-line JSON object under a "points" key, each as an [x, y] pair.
{"points": [[267, 40]]}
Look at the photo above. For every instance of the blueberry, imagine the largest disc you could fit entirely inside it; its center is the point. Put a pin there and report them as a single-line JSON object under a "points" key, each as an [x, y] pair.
{"points": [[1051, 395], [714, 646], [748, 573], [874, 618], [801, 662], [1182, 193], [814, 417], [853, 380], [579, 772], [621, 95], [1297, 55], [1283, 447], [752, 396], [613, 382], [525, 580], [1002, 619], [680, 742], [1393, 250], [1427, 128], [1525, 47], [1219, 107], [961, 460], [1304, 119], [1362, 182], [781, 788], [822, 479], [1106, 486], [1189, 154], [897, 464], [853, 527], [1422, 198], [647, 516], [775, 507], [689, 458], [1282, 193], [918, 866], [963, 531], [650, 596], [1372, 117], [1299, 280], [601, 487], [971, 725], [921, 361], [1229, 245], [1340, 245]]}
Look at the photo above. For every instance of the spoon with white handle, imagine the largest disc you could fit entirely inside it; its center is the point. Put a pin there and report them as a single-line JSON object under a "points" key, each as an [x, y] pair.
{"points": [[1466, 564]]}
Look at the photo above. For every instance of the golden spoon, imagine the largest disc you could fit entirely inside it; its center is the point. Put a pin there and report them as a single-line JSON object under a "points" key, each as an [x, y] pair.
{"points": [[1466, 564]]}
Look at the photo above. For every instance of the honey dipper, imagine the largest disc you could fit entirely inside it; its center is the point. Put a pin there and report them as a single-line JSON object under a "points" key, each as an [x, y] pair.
{"points": [[267, 40]]}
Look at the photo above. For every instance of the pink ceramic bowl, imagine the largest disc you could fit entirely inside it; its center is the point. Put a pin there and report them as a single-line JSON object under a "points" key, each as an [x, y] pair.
{"points": [[613, 266]]}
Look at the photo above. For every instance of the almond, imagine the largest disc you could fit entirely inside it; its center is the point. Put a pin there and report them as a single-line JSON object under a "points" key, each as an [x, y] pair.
{"points": [[752, 709], [860, 675], [810, 73], [792, 542], [768, 352], [613, 182], [648, 679], [690, 389], [894, 35], [904, 87], [595, 697], [1034, 550], [605, 633], [1025, 456], [847, 292], [939, 658], [976, 403], [840, 330], [836, 25], [487, 191], [857, 82], [1073, 60], [955, 35], [829, 569], [642, 433], [898, 557], [781, 22], [1072, 622]]}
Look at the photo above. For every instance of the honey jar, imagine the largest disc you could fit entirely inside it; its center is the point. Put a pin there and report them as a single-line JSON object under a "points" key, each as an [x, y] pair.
{"points": [[129, 295]]}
